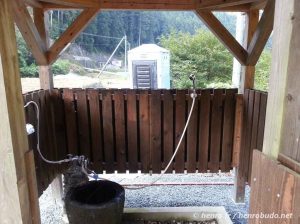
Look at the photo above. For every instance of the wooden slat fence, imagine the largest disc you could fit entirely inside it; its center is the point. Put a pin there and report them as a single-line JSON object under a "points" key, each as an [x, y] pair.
{"points": [[133, 130], [52, 133], [138, 129], [255, 104]]}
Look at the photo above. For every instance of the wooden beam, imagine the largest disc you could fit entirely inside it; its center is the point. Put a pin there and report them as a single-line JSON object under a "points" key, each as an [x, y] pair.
{"points": [[50, 6], [235, 8], [262, 33], [223, 35], [29, 32], [14, 191], [41, 22], [71, 33], [75, 3], [259, 5], [33, 3], [248, 72], [206, 4], [282, 117]]}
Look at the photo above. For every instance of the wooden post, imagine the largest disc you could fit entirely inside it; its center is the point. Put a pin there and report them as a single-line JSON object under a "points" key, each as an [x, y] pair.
{"points": [[14, 191], [248, 72], [41, 23], [282, 117], [247, 82]]}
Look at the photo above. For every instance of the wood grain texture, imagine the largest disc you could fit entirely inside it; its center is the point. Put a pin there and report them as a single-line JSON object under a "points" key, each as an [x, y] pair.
{"points": [[275, 189], [228, 130], [204, 130], [29, 32], [216, 130], [168, 126], [132, 130], [15, 201], [262, 33], [144, 123], [179, 126], [108, 131], [119, 101], [155, 130]]}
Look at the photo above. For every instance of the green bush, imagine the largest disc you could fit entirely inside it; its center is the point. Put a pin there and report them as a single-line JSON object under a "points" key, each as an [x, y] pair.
{"points": [[200, 54], [61, 67], [29, 71]]}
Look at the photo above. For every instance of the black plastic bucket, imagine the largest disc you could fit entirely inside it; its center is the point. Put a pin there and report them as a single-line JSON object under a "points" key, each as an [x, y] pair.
{"points": [[95, 202]]}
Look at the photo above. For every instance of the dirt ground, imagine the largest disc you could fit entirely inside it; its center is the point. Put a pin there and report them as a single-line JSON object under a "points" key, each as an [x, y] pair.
{"points": [[77, 81]]}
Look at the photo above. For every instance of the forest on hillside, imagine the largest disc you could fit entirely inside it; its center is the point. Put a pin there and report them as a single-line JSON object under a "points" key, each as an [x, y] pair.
{"points": [[104, 33], [193, 48]]}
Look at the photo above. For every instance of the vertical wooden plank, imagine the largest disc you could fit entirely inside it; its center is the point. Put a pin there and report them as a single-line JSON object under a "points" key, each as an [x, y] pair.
{"points": [[239, 109], [32, 183], [155, 130], [132, 125], [168, 124], [59, 125], [14, 193], [192, 137], [32, 139], [96, 130], [119, 101], [262, 119], [108, 132], [179, 126], [144, 119], [45, 136], [228, 129], [254, 131], [71, 122], [83, 123], [216, 130], [204, 130], [248, 132]]}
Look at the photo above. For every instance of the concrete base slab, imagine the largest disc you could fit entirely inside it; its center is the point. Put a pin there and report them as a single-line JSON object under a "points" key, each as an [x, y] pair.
{"points": [[177, 214]]}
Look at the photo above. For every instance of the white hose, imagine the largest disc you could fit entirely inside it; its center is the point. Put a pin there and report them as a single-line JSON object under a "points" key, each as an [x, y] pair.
{"points": [[83, 161], [38, 138]]}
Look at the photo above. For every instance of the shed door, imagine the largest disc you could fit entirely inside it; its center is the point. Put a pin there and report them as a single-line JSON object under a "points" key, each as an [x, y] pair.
{"points": [[144, 75]]}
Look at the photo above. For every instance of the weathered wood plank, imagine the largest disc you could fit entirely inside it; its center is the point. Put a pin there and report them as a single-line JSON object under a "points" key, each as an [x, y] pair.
{"points": [[192, 137], [132, 125], [71, 121], [155, 130], [144, 122], [204, 130], [228, 130], [179, 126], [168, 123], [239, 109], [275, 190], [83, 123], [108, 132], [96, 130], [216, 130], [262, 119]]}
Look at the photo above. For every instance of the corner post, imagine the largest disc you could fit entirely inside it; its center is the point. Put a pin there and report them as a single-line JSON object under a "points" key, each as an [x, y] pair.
{"points": [[41, 22], [16, 204], [247, 82]]}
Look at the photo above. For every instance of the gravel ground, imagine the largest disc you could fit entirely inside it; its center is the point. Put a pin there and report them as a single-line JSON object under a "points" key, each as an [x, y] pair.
{"points": [[166, 196]]}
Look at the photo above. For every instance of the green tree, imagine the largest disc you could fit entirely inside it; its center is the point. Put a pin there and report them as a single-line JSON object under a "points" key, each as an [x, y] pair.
{"points": [[263, 70], [200, 54]]}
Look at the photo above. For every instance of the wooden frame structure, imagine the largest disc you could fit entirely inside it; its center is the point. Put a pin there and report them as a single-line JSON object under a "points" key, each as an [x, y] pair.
{"points": [[281, 140]]}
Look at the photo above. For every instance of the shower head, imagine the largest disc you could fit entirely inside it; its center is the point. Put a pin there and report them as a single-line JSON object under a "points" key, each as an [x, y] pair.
{"points": [[192, 77]]}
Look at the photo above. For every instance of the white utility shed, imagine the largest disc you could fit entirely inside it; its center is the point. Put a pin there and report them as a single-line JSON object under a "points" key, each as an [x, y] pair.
{"points": [[149, 67]]}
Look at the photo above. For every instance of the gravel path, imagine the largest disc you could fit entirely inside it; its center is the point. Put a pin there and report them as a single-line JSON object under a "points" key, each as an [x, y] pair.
{"points": [[167, 196]]}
